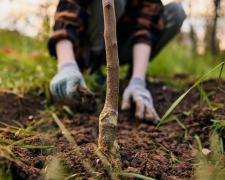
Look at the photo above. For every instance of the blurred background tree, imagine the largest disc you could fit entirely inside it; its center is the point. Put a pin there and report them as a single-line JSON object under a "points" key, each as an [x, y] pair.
{"points": [[29, 17], [212, 28]]}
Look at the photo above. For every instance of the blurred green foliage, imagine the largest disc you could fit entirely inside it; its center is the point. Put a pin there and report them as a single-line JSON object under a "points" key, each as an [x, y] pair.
{"points": [[25, 62], [210, 166], [178, 58]]}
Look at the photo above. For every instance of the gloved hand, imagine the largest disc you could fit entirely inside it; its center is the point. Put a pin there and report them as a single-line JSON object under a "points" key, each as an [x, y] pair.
{"points": [[137, 91], [63, 83]]}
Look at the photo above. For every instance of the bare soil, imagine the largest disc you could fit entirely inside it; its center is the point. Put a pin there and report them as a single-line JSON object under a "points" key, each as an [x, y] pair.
{"points": [[141, 144]]}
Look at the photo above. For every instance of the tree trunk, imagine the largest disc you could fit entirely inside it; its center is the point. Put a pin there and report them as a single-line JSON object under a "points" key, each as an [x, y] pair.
{"points": [[108, 118], [214, 46]]}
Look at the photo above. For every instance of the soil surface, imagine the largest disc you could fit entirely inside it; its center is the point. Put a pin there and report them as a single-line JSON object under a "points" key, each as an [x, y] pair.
{"points": [[144, 149]]}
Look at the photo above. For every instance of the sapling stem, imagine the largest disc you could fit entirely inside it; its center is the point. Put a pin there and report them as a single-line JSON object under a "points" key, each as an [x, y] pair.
{"points": [[108, 117]]}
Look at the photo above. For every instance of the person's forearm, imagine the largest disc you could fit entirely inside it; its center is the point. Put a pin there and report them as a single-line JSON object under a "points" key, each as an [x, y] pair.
{"points": [[64, 51], [141, 55]]}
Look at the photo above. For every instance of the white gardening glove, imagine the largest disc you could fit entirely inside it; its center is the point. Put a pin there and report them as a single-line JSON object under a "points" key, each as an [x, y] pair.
{"points": [[137, 92], [63, 83]]}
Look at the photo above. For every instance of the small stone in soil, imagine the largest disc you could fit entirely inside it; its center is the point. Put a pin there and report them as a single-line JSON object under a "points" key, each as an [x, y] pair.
{"points": [[30, 118]]}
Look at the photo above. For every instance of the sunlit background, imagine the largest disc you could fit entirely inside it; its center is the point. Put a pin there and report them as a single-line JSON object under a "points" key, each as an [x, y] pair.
{"points": [[27, 16]]}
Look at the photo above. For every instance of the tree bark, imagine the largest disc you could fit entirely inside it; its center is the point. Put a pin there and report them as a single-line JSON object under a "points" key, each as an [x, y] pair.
{"points": [[108, 117]]}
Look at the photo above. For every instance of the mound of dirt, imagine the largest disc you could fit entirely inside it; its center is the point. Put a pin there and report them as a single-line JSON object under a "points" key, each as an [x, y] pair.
{"points": [[144, 149]]}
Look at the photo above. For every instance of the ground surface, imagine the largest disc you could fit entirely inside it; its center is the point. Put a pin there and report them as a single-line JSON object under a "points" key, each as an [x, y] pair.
{"points": [[142, 147]]}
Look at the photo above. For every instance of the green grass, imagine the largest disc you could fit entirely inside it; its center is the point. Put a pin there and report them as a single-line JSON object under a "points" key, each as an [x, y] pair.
{"points": [[178, 58], [211, 166], [25, 64], [220, 67]]}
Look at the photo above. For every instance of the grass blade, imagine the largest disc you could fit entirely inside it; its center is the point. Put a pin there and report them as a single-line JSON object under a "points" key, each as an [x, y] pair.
{"points": [[30, 125], [7, 125], [178, 121], [172, 108], [72, 176], [39, 85], [22, 140], [10, 154], [66, 133], [217, 86], [221, 89], [15, 130], [222, 145], [218, 125], [34, 147], [18, 123], [6, 141], [183, 126], [48, 94], [201, 96], [68, 110], [204, 95], [218, 104], [173, 160], [134, 175], [199, 142], [169, 120], [183, 95], [37, 124]]}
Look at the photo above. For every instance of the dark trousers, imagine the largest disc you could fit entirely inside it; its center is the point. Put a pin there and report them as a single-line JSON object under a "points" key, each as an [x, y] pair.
{"points": [[174, 16]]}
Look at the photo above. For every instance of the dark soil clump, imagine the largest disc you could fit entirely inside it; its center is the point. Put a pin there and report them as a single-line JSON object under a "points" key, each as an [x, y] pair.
{"points": [[144, 149]]}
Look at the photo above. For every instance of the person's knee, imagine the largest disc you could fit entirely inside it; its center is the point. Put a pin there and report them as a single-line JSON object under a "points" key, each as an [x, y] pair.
{"points": [[178, 11]]}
